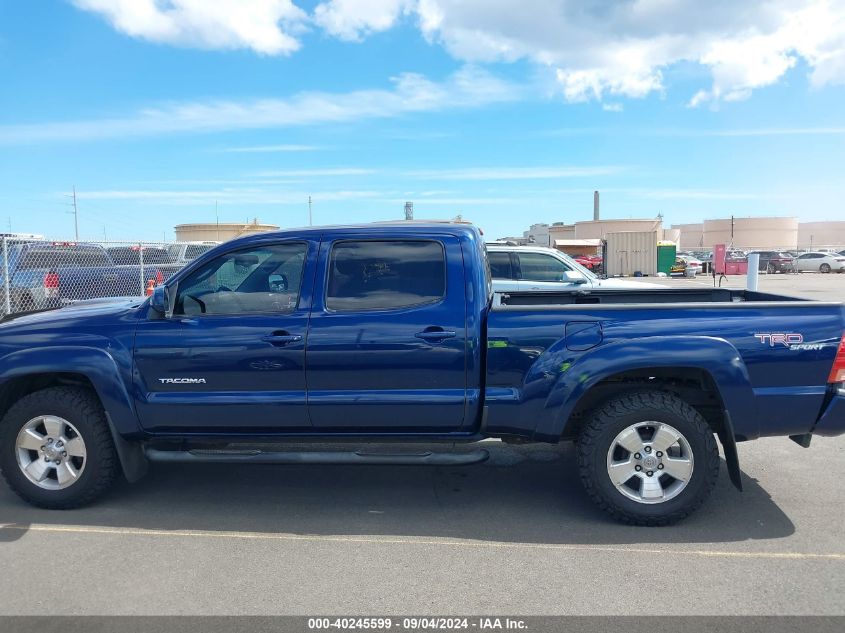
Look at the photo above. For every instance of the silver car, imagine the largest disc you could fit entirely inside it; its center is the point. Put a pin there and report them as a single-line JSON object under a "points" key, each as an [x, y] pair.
{"points": [[820, 262], [529, 268]]}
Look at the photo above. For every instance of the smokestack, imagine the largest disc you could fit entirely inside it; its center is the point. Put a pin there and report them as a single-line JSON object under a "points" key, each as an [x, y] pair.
{"points": [[595, 205], [409, 210]]}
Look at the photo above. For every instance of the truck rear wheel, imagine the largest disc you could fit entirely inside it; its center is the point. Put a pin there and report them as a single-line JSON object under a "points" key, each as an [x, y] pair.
{"points": [[56, 449], [647, 458]]}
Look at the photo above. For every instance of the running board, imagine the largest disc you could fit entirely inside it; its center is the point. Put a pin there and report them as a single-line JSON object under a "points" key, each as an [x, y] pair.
{"points": [[256, 456]]}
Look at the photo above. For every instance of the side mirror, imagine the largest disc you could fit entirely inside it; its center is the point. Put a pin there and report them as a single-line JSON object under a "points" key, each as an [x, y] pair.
{"points": [[574, 277], [160, 300]]}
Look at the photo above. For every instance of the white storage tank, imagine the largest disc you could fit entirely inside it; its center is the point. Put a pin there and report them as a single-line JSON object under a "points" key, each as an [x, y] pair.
{"points": [[628, 252]]}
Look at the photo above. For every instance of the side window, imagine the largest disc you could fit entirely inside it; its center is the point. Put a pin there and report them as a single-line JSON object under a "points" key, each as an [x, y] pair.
{"points": [[192, 251], [265, 280], [539, 267], [500, 265], [377, 275]]}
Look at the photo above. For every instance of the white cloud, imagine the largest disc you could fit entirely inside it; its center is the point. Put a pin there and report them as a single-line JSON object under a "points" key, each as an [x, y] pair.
{"points": [[410, 93], [596, 48], [592, 48], [513, 173], [320, 172], [227, 195], [354, 19], [265, 26], [259, 149]]}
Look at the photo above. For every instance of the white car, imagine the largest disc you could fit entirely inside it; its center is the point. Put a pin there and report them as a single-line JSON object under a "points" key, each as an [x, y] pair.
{"points": [[527, 268], [694, 266], [819, 262]]}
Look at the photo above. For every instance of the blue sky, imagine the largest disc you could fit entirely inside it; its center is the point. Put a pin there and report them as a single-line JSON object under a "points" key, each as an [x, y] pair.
{"points": [[157, 110]]}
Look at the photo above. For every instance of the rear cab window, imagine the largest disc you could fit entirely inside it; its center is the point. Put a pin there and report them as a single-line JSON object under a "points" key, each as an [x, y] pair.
{"points": [[500, 265], [61, 256], [385, 274]]}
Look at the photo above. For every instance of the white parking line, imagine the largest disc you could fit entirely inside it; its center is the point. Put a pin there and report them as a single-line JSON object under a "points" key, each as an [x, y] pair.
{"points": [[267, 536]]}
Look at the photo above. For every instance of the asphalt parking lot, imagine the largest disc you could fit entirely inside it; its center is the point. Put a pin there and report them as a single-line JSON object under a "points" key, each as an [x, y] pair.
{"points": [[817, 286], [513, 536]]}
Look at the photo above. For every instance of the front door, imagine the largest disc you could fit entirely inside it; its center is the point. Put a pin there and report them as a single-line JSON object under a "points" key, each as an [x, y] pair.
{"points": [[387, 344], [231, 357], [538, 271]]}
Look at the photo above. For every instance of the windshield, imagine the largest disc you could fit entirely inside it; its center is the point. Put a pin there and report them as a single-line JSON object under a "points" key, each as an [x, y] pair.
{"points": [[576, 266]]}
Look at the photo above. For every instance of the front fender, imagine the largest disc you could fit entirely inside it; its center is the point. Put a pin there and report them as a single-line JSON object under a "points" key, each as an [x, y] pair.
{"points": [[714, 355], [96, 364]]}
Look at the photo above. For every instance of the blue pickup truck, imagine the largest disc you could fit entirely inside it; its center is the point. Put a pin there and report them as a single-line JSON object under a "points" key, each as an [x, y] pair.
{"points": [[382, 344]]}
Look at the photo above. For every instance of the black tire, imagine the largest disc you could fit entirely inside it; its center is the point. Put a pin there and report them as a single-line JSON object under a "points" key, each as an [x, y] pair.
{"points": [[83, 410], [606, 422], [824, 268]]}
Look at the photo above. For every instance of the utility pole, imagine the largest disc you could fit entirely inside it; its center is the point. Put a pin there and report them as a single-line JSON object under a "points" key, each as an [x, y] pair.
{"points": [[217, 220], [310, 217], [105, 239], [75, 214]]}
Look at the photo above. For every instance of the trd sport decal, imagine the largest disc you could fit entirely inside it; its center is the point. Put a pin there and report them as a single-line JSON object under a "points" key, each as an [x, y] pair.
{"points": [[792, 341]]}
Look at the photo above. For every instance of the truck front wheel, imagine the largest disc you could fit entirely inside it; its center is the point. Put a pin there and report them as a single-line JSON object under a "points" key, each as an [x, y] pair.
{"points": [[56, 449], [647, 458]]}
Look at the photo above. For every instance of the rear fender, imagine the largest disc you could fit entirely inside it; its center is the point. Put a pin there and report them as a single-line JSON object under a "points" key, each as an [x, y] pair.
{"points": [[714, 355]]}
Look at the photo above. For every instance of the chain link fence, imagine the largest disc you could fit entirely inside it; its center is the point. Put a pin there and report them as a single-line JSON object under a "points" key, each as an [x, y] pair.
{"points": [[36, 274]]}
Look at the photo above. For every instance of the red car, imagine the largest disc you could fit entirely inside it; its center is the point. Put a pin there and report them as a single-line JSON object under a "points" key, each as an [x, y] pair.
{"points": [[590, 262]]}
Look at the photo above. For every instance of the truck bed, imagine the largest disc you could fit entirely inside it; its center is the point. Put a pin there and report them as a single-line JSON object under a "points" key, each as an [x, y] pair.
{"points": [[642, 296]]}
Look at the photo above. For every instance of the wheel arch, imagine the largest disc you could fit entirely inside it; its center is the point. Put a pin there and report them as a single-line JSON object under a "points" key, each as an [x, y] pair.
{"points": [[711, 358], [28, 371]]}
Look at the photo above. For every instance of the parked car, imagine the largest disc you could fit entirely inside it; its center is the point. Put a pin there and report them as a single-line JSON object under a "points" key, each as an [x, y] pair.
{"points": [[735, 255], [131, 255], [686, 265], [153, 256], [774, 262], [820, 262], [183, 252], [396, 329], [49, 274], [593, 263], [537, 268]]}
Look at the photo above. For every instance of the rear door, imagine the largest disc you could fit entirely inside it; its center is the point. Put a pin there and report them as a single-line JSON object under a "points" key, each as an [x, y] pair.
{"points": [[387, 342], [808, 261]]}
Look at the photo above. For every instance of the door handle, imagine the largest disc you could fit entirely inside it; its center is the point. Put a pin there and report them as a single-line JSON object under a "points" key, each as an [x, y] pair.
{"points": [[435, 335], [281, 338]]}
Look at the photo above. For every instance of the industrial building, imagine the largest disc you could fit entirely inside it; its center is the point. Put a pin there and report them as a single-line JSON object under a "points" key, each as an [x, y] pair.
{"points": [[747, 233], [812, 235], [219, 231]]}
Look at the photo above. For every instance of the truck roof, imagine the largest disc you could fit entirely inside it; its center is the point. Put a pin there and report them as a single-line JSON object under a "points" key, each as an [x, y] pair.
{"points": [[423, 227]]}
